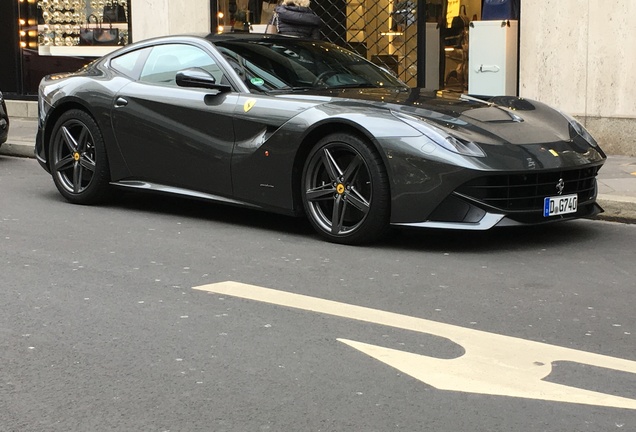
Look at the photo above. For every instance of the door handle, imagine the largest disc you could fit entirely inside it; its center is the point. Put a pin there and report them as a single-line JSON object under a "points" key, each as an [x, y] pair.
{"points": [[120, 102]]}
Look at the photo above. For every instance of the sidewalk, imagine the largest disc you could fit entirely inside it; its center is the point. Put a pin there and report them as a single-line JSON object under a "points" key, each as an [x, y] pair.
{"points": [[616, 180]]}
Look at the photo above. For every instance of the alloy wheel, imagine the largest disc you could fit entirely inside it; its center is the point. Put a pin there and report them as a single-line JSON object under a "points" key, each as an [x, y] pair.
{"points": [[74, 156], [77, 159], [338, 189]]}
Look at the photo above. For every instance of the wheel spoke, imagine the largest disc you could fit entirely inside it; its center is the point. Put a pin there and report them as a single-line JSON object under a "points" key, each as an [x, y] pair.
{"points": [[337, 217], [320, 193], [64, 164], [69, 140], [87, 163], [77, 177], [82, 140], [358, 201], [352, 170], [331, 166]]}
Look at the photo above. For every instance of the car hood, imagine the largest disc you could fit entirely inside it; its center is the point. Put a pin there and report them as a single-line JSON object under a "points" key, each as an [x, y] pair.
{"points": [[510, 130], [495, 120]]}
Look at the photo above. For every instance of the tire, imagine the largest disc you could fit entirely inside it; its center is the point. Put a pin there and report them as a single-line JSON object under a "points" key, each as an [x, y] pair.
{"points": [[345, 190], [77, 159]]}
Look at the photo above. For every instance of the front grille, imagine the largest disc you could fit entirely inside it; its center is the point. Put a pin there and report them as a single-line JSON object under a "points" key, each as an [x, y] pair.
{"points": [[525, 192]]}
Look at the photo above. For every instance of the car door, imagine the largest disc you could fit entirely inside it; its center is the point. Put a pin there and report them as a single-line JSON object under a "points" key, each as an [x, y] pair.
{"points": [[176, 136]]}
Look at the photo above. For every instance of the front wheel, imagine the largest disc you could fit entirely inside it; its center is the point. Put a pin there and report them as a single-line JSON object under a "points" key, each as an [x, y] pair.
{"points": [[346, 190], [77, 159]]}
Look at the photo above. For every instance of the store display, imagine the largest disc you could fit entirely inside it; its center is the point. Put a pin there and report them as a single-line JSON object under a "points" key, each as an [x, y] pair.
{"points": [[98, 35], [272, 28], [115, 12], [64, 23], [493, 58], [500, 10], [267, 11]]}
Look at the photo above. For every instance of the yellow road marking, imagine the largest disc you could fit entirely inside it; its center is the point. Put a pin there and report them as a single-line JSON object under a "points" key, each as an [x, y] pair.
{"points": [[493, 364]]}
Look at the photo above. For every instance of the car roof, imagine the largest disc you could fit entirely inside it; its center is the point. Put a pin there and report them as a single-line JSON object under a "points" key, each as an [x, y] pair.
{"points": [[215, 37], [210, 37]]}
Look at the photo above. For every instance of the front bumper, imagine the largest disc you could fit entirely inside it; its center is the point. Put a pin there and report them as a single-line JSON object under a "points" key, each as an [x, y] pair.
{"points": [[513, 199]]}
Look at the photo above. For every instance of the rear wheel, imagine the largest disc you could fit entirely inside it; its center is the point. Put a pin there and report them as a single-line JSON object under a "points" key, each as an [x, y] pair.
{"points": [[77, 159], [346, 190]]}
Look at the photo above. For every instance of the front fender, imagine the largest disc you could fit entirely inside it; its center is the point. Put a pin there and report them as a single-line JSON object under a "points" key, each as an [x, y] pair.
{"points": [[270, 174]]}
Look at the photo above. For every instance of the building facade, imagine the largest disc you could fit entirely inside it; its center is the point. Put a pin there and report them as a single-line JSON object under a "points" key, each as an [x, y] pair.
{"points": [[578, 55], [573, 54]]}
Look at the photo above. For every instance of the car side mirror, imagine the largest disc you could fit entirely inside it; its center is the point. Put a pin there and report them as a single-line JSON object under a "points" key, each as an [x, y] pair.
{"points": [[199, 78]]}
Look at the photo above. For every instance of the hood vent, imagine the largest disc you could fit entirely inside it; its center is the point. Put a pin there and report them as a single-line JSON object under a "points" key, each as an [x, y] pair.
{"points": [[492, 114]]}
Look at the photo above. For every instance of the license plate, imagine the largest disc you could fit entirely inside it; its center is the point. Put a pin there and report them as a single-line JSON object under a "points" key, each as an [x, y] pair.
{"points": [[558, 205]]}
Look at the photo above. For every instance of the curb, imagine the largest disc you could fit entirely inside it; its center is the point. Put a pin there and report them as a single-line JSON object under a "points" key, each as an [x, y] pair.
{"points": [[617, 209], [22, 130], [22, 108], [25, 150]]}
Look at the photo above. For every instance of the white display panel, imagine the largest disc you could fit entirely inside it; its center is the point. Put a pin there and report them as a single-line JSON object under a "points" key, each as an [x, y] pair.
{"points": [[492, 58]]}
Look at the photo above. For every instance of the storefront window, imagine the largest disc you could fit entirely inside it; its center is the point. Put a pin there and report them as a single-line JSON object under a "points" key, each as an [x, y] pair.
{"points": [[425, 43], [386, 33], [240, 15], [383, 31], [82, 27], [55, 36], [455, 42], [480, 43]]}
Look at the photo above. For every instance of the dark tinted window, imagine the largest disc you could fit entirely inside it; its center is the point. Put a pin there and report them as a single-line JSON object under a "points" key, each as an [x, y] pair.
{"points": [[274, 64]]}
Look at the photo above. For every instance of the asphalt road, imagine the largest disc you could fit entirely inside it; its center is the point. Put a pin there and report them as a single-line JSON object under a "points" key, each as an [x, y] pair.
{"points": [[119, 318]]}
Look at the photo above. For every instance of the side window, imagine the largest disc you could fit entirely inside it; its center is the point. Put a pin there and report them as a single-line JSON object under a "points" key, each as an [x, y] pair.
{"points": [[165, 61], [127, 64]]}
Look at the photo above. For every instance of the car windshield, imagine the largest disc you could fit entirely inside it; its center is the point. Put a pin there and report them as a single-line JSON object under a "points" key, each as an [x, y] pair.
{"points": [[270, 65]]}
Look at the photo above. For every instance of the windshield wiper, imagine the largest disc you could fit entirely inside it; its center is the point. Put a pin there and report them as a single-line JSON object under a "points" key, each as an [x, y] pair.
{"points": [[289, 89], [359, 85]]}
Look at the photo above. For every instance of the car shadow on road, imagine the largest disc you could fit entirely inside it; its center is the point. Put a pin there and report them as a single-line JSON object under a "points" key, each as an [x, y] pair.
{"points": [[211, 211], [575, 233]]}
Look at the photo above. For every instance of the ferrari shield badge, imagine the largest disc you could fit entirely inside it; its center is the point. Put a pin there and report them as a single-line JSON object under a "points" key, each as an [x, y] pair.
{"points": [[249, 104]]}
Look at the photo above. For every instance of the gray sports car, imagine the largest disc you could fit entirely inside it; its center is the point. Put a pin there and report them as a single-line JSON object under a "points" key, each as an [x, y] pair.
{"points": [[303, 127]]}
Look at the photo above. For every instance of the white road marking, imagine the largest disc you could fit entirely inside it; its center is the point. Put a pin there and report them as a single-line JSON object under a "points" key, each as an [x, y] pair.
{"points": [[493, 364]]}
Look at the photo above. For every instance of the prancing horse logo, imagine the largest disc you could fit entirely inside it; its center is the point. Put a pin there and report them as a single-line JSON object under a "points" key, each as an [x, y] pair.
{"points": [[560, 186]]}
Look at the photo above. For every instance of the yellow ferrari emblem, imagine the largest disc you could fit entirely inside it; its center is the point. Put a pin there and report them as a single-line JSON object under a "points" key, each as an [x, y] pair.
{"points": [[553, 152], [340, 188], [76, 156], [249, 104]]}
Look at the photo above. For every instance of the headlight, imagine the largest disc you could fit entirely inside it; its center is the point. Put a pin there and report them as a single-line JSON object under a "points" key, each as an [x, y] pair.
{"points": [[440, 137], [579, 129]]}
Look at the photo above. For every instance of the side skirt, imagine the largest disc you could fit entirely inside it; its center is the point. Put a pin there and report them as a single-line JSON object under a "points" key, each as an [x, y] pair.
{"points": [[155, 187]]}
